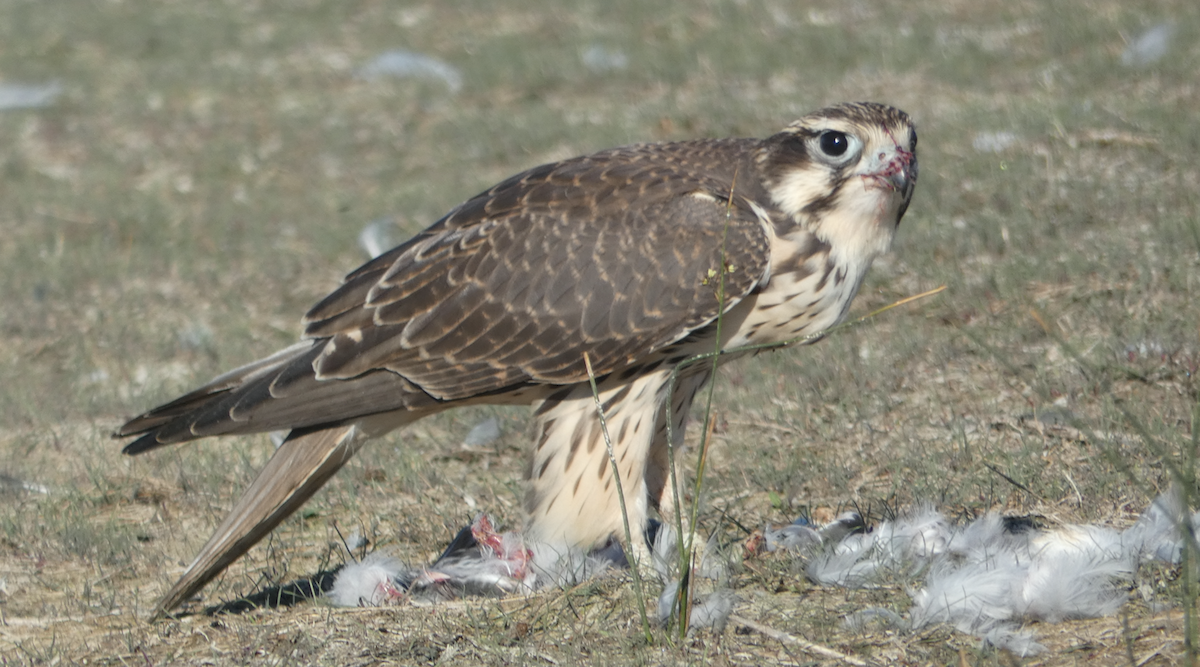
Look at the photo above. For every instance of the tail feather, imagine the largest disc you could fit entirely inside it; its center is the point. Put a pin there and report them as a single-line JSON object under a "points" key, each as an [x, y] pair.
{"points": [[188, 403], [300, 466], [278, 393]]}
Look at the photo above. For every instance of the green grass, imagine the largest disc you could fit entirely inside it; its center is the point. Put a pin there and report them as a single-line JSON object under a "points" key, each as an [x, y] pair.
{"points": [[205, 174]]}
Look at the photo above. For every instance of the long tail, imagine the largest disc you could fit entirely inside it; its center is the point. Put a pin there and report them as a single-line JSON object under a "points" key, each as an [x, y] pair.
{"points": [[300, 466]]}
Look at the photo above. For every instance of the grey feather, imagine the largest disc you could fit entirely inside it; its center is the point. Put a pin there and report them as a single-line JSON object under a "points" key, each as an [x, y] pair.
{"points": [[985, 579]]}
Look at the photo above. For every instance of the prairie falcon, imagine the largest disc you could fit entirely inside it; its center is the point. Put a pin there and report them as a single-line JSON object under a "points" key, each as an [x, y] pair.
{"points": [[638, 256]]}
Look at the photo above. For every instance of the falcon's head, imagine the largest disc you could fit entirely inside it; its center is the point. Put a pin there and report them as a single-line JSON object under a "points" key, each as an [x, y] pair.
{"points": [[845, 172]]}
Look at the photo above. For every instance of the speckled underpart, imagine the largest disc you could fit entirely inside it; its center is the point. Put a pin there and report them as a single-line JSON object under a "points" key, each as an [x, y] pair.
{"points": [[629, 255]]}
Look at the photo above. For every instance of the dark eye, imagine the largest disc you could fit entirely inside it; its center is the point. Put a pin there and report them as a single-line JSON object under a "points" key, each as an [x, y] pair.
{"points": [[834, 143]]}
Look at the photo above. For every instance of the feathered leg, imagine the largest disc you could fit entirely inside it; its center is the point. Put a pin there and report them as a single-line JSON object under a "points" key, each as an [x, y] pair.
{"points": [[658, 467], [572, 499]]}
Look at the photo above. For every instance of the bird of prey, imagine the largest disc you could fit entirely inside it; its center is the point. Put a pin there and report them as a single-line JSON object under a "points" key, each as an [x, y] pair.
{"points": [[637, 257]]}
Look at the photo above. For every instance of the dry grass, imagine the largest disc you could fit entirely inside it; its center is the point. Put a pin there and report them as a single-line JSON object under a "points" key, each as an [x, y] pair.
{"points": [[204, 176]]}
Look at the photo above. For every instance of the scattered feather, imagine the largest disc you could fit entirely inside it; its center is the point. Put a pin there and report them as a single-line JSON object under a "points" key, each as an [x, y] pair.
{"points": [[371, 582], [993, 142], [562, 567], [1149, 47], [195, 337], [98, 376], [862, 620], [713, 562], [992, 574], [847, 523], [987, 536], [403, 64], [28, 96], [986, 577], [664, 553], [861, 558], [10, 484], [484, 433], [378, 237], [973, 598], [1018, 642], [713, 611], [792, 537], [600, 59], [479, 561], [355, 541], [921, 536], [666, 603], [847, 564], [1074, 584], [1156, 534]]}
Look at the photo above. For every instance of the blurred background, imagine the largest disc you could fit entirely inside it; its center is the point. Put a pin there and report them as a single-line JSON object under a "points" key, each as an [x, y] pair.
{"points": [[180, 181]]}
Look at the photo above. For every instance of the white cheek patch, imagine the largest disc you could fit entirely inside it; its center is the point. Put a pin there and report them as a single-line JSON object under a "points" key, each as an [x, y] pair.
{"points": [[799, 188], [859, 224]]}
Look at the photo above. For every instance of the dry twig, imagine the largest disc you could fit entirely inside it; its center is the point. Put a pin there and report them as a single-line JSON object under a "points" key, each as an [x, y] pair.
{"points": [[802, 644]]}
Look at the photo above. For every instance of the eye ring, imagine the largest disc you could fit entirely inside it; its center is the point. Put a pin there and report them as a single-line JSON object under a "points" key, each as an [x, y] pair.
{"points": [[835, 147], [834, 143]]}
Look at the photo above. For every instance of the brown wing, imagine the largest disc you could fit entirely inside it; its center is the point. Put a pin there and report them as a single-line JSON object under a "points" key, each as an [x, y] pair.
{"points": [[617, 254]]}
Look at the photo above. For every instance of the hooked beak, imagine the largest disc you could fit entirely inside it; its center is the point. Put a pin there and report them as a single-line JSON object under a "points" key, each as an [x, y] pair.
{"points": [[894, 170]]}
